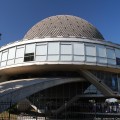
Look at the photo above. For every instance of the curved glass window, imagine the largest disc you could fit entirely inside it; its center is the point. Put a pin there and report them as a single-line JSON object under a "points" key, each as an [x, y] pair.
{"points": [[78, 49], [3, 63], [66, 58], [90, 50], [117, 53], [79, 58], [41, 58], [11, 53], [41, 49], [90, 59], [101, 60], [53, 48], [101, 51], [20, 51], [53, 51], [41, 52], [66, 48], [110, 53], [18, 60], [10, 62], [30, 48], [111, 62], [4, 55], [66, 51], [53, 57]]}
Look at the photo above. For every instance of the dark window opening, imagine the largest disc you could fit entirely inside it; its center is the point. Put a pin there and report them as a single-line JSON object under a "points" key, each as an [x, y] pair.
{"points": [[118, 61], [29, 57]]}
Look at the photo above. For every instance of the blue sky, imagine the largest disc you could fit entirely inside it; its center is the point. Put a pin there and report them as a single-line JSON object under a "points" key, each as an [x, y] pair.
{"points": [[18, 16]]}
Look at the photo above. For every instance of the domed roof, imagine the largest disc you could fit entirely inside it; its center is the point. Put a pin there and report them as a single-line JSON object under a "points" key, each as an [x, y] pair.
{"points": [[63, 25]]}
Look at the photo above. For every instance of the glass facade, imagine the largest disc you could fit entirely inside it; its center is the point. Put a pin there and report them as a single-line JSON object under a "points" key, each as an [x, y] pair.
{"points": [[11, 53], [53, 51], [30, 48], [41, 50], [90, 50], [110, 79], [53, 48], [60, 51], [20, 51], [117, 53], [101, 51], [4, 55]]}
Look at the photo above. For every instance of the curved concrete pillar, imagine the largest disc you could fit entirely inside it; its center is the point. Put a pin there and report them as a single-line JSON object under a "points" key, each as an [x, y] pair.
{"points": [[102, 87], [14, 91]]}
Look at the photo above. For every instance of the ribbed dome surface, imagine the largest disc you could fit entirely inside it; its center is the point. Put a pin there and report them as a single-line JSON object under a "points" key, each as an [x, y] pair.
{"points": [[63, 25]]}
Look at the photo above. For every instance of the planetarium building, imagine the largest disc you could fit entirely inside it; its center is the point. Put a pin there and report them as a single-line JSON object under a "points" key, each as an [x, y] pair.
{"points": [[62, 67]]}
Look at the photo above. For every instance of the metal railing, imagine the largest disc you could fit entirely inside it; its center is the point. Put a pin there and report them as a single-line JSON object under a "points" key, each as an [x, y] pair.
{"points": [[83, 111]]}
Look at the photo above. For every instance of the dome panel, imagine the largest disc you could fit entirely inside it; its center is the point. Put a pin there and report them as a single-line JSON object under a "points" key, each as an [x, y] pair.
{"points": [[63, 25]]}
